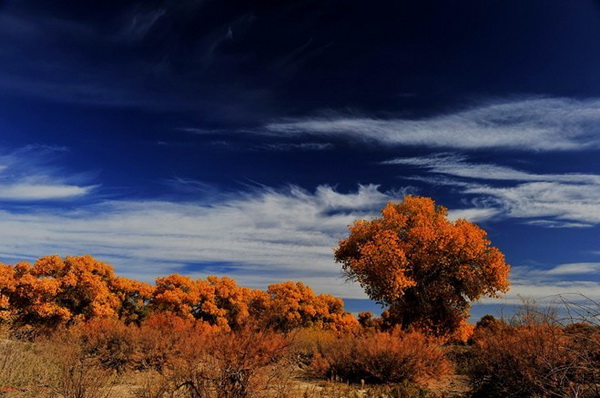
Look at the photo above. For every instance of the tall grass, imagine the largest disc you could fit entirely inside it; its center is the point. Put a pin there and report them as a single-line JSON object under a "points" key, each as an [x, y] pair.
{"points": [[23, 365]]}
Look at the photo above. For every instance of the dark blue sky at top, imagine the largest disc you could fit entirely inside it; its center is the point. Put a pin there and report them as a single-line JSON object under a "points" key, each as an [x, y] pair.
{"points": [[114, 110]]}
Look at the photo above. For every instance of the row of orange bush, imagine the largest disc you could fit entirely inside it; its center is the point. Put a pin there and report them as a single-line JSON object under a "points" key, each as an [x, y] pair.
{"points": [[56, 291]]}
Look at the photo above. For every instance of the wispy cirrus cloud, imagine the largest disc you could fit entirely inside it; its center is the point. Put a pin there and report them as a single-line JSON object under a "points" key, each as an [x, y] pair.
{"points": [[572, 281], [569, 200], [265, 235], [563, 204], [541, 124], [575, 269], [26, 176], [260, 237], [302, 146], [548, 292], [458, 166], [33, 191], [473, 214]]}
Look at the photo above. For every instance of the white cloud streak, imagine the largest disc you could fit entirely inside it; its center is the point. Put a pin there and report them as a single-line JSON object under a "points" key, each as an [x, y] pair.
{"points": [[303, 146], [458, 166], [543, 124], [258, 238], [548, 292], [25, 177], [548, 200], [575, 269], [36, 192], [473, 214], [565, 202], [284, 234], [545, 285]]}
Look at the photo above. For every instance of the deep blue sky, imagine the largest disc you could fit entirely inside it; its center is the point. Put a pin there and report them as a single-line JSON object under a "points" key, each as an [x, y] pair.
{"points": [[241, 138]]}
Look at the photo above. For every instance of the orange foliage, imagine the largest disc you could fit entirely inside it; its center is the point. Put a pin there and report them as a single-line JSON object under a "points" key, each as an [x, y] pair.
{"points": [[133, 296], [157, 341], [382, 357], [294, 305], [55, 291], [426, 268], [463, 333], [218, 301], [538, 358]]}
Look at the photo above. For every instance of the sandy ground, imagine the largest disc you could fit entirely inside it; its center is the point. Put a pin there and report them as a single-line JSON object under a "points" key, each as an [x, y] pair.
{"points": [[296, 387]]}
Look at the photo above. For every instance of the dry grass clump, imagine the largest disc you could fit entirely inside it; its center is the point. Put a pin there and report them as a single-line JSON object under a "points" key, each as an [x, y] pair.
{"points": [[22, 365], [382, 357], [52, 366]]}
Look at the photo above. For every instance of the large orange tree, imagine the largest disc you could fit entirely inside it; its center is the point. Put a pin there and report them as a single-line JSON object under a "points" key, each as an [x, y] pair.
{"points": [[423, 267]]}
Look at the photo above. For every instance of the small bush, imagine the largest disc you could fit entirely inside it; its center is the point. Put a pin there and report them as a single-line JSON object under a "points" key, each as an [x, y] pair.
{"points": [[226, 365], [120, 347], [382, 358], [163, 338], [305, 343], [538, 358], [154, 385], [80, 377], [76, 373], [109, 341]]}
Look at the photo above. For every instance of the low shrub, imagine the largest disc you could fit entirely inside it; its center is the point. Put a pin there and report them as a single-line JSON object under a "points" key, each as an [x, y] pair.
{"points": [[110, 342], [230, 364], [157, 341], [163, 338], [81, 377], [305, 343], [538, 358], [382, 357], [75, 372]]}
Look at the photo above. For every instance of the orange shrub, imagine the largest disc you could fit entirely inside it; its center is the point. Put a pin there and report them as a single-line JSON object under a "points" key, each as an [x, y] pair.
{"points": [[293, 305], [462, 334], [56, 291], [243, 360], [109, 341], [383, 357], [164, 337], [233, 364], [534, 359], [156, 342]]}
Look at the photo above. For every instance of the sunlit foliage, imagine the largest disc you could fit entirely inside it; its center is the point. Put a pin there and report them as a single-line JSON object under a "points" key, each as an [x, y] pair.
{"points": [[294, 305], [56, 291], [425, 268], [61, 291]]}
